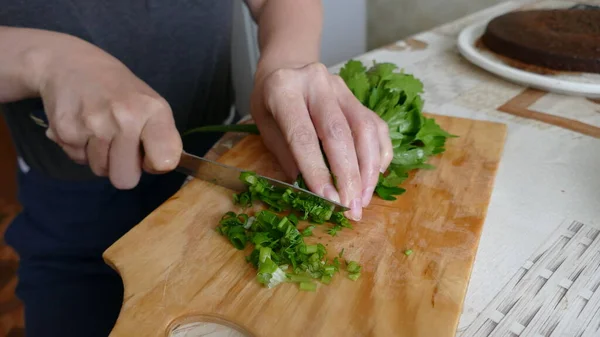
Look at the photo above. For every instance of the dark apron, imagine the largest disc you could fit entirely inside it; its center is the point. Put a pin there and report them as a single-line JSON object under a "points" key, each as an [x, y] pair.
{"points": [[60, 235]]}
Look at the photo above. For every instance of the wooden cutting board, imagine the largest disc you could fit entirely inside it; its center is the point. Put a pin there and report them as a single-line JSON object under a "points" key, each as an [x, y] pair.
{"points": [[176, 268]]}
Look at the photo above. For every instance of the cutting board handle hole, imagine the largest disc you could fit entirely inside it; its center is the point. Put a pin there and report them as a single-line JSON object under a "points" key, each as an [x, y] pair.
{"points": [[205, 325]]}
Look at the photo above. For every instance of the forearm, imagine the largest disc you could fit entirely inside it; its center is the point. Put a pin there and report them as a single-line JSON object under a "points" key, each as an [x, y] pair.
{"points": [[27, 59], [289, 33], [17, 62]]}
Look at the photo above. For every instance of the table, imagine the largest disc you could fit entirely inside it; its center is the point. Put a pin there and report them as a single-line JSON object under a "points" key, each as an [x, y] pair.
{"points": [[538, 263]]}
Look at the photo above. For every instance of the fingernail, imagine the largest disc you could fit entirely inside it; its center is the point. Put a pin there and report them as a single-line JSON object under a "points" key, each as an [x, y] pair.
{"points": [[50, 135], [367, 195], [356, 209], [331, 193]]}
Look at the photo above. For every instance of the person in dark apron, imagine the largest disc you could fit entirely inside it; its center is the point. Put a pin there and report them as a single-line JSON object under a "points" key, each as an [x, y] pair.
{"points": [[85, 84]]}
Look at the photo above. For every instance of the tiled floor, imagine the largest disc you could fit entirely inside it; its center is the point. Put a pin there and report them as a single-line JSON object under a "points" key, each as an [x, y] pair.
{"points": [[11, 310]]}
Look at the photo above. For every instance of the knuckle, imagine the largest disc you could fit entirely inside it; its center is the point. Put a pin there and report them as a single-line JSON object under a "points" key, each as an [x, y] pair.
{"points": [[372, 170], [338, 129], [369, 126], [125, 119], [95, 124], [157, 104], [350, 182], [280, 86], [280, 97], [317, 68], [129, 115], [301, 136], [338, 80], [67, 133], [322, 174], [278, 77]]}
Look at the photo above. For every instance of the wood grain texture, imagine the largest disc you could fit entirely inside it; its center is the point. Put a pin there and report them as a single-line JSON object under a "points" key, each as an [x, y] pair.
{"points": [[174, 264]]}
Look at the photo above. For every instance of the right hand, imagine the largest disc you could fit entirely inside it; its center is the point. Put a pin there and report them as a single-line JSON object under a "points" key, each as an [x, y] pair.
{"points": [[101, 114]]}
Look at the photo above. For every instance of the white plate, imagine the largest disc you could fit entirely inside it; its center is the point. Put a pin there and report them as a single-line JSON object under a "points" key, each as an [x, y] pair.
{"points": [[581, 84]]}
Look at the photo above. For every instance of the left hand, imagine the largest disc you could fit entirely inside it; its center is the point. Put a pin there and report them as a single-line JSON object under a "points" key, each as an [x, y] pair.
{"points": [[296, 107]]}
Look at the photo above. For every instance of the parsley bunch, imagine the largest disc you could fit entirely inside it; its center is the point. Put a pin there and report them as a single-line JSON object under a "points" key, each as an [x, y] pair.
{"points": [[395, 97]]}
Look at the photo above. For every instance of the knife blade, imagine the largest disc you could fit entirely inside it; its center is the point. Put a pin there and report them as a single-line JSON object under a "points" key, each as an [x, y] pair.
{"points": [[229, 177]]}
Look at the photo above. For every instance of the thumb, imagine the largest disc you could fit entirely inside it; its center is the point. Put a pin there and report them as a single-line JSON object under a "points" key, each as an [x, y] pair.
{"points": [[161, 144]]}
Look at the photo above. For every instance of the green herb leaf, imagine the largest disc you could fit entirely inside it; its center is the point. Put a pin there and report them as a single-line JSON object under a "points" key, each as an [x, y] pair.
{"points": [[308, 231], [334, 230], [395, 97], [244, 128], [353, 276], [353, 267], [308, 286], [354, 74]]}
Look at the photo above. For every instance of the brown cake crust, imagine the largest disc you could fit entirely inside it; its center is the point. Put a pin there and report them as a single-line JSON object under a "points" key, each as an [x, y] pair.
{"points": [[559, 39]]}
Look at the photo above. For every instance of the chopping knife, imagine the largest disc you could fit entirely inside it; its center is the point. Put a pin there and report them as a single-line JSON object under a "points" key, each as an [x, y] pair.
{"points": [[215, 172], [229, 177]]}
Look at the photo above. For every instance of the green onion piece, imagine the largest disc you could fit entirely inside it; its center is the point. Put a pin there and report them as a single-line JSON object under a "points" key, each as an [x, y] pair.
{"points": [[326, 279], [408, 252], [299, 278], [237, 236], [243, 218], [333, 230], [311, 249], [308, 286], [264, 254], [243, 199], [228, 215], [267, 217], [354, 276], [244, 128], [249, 222], [308, 231], [293, 219], [353, 267], [339, 219], [329, 270], [282, 224], [249, 178], [260, 238], [321, 250], [336, 263], [267, 268]]}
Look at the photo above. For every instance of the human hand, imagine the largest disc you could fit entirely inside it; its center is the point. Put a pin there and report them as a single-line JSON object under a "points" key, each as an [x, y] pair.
{"points": [[101, 114], [294, 108]]}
